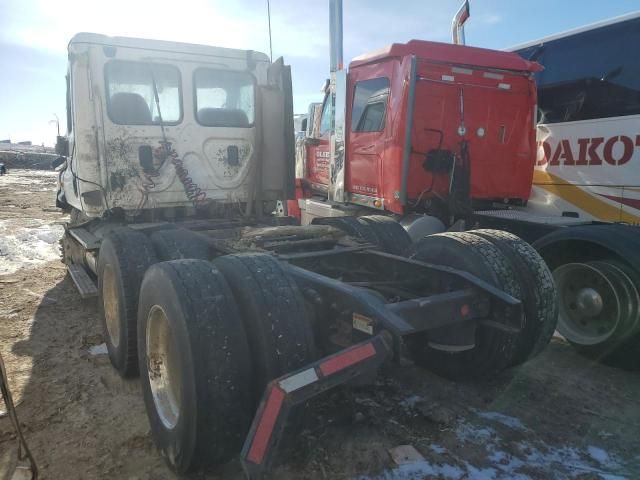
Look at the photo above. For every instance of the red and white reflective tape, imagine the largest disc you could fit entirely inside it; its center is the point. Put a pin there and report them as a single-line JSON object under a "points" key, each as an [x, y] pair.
{"points": [[347, 358], [299, 380], [268, 419], [279, 391]]}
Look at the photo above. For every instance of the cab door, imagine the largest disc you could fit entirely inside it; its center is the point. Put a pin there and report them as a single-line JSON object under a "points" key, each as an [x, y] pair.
{"points": [[367, 136], [319, 150]]}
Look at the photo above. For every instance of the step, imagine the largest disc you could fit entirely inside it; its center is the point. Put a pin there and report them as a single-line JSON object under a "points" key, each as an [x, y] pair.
{"points": [[85, 285], [85, 238]]}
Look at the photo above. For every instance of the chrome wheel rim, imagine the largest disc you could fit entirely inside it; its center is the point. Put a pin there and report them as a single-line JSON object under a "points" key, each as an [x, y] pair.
{"points": [[111, 304], [163, 368], [590, 307]]}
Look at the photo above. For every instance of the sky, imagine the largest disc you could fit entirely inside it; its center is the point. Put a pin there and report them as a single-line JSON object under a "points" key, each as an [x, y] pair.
{"points": [[34, 35]]}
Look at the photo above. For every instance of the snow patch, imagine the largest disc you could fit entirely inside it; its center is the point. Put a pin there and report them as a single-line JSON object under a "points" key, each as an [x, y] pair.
{"points": [[28, 247], [99, 349], [599, 455], [506, 420]]}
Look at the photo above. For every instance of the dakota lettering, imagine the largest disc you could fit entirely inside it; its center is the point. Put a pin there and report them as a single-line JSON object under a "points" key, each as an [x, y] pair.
{"points": [[582, 154], [545, 149], [627, 153], [617, 150], [594, 158]]}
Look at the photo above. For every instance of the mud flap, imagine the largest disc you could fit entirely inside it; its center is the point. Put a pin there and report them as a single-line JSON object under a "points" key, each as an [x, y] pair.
{"points": [[282, 394]]}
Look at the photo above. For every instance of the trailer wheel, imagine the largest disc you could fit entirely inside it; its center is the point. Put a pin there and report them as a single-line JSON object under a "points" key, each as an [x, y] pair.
{"points": [[351, 226], [124, 257], [393, 237], [539, 293], [494, 350], [274, 314], [178, 244], [195, 364]]}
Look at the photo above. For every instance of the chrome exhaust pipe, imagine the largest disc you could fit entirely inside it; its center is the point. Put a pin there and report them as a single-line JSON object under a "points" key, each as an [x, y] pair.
{"points": [[335, 35], [457, 25]]}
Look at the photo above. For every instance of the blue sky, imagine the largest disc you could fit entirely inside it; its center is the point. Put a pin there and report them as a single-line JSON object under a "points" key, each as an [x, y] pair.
{"points": [[34, 35]]}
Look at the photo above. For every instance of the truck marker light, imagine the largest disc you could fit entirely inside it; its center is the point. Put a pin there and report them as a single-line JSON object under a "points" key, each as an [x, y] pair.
{"points": [[265, 427], [463, 71], [504, 86], [493, 76], [347, 358], [299, 380]]}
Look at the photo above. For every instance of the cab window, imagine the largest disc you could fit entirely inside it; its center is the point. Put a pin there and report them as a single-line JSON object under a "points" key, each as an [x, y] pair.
{"points": [[327, 113], [369, 105], [224, 98], [131, 93]]}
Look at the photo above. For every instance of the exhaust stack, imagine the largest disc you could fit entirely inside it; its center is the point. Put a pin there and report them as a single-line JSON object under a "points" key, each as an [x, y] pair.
{"points": [[335, 34], [338, 99], [457, 25]]}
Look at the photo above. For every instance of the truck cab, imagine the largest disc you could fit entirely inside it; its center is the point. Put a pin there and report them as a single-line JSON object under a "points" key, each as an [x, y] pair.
{"points": [[159, 126], [423, 123]]}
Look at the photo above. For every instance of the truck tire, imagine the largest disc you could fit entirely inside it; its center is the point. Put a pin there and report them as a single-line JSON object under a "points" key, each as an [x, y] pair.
{"points": [[352, 227], [195, 364], [494, 349], [570, 254], [393, 237], [539, 298], [124, 257], [627, 355], [178, 244], [274, 315], [599, 309]]}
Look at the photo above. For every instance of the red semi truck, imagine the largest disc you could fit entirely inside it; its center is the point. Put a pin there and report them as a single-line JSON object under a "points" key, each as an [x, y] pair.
{"points": [[442, 137], [427, 121]]}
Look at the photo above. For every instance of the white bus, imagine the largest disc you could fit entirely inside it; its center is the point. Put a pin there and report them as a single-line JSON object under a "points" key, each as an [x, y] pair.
{"points": [[589, 122]]}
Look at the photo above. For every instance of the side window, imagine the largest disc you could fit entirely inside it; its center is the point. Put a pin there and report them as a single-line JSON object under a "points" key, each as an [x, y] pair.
{"points": [[589, 75], [131, 88], [369, 105], [325, 119]]}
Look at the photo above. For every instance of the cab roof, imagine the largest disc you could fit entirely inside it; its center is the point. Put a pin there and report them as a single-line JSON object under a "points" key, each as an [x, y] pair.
{"points": [[449, 54], [163, 45]]}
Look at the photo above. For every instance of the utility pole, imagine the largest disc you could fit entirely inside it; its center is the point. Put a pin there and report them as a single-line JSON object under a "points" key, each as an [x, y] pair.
{"points": [[57, 120]]}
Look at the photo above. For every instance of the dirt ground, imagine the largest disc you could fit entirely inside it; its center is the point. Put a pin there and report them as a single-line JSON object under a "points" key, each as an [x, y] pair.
{"points": [[559, 416]]}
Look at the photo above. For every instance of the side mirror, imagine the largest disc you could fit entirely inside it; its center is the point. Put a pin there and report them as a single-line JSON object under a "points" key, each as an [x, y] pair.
{"points": [[303, 125], [57, 162], [62, 146]]}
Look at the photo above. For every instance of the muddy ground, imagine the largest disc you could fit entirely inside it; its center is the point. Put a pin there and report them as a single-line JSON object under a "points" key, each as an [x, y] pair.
{"points": [[559, 416]]}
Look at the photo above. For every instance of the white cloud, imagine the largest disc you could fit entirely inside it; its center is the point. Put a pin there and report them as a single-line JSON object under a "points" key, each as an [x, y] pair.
{"points": [[49, 25]]}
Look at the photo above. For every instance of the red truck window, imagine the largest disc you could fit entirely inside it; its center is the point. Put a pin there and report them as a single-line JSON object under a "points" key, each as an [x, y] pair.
{"points": [[369, 105]]}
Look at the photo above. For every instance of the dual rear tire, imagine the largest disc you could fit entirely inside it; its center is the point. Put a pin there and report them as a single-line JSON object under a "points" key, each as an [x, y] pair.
{"points": [[210, 337], [512, 265]]}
